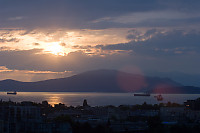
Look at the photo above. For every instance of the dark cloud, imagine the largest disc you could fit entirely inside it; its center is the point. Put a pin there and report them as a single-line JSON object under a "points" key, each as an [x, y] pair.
{"points": [[83, 47], [85, 14], [63, 44], [75, 61], [162, 22], [79, 61], [4, 40], [36, 44], [28, 31], [158, 42], [4, 48]]}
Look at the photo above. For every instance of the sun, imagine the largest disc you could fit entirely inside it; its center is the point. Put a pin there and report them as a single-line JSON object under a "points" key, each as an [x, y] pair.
{"points": [[56, 49]]}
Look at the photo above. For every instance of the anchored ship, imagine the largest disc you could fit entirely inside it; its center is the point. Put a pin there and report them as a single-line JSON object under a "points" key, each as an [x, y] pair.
{"points": [[12, 93], [142, 94]]}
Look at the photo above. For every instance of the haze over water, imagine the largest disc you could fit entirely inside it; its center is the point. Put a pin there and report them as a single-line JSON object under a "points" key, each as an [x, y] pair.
{"points": [[94, 99]]}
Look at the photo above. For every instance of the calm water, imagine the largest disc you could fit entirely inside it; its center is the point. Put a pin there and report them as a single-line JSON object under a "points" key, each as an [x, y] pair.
{"points": [[94, 99]]}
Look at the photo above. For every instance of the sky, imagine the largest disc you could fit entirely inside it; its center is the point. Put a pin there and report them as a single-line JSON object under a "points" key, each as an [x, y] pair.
{"points": [[45, 39]]}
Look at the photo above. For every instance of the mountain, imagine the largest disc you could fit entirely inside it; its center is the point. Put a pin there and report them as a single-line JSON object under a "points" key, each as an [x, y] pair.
{"points": [[183, 78], [101, 81]]}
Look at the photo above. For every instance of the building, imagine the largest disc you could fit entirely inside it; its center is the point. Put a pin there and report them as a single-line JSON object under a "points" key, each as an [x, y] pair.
{"points": [[25, 117], [172, 114], [193, 104]]}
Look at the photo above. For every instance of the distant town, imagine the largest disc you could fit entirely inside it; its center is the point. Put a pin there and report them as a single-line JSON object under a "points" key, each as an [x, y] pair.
{"points": [[31, 117]]}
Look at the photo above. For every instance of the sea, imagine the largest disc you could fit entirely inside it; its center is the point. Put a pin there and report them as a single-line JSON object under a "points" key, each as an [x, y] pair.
{"points": [[95, 99]]}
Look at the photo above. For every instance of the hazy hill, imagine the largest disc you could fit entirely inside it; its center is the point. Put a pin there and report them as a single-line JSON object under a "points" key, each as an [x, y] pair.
{"points": [[183, 78], [101, 81]]}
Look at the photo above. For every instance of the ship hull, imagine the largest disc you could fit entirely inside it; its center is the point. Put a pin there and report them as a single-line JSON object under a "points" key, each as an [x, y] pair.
{"points": [[11, 93], [147, 95]]}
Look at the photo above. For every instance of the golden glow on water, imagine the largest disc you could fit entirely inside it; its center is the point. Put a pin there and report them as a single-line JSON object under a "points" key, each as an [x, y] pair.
{"points": [[94, 99], [54, 100]]}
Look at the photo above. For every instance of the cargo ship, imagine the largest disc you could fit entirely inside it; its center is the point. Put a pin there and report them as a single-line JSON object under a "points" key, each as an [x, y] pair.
{"points": [[142, 94], [12, 93]]}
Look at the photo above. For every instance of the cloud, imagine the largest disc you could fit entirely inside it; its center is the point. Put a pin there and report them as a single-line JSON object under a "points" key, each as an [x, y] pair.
{"points": [[75, 61], [16, 18], [31, 75], [157, 49], [160, 42], [5, 40], [62, 44], [4, 69], [4, 48], [90, 14], [36, 44], [147, 49], [151, 35]]}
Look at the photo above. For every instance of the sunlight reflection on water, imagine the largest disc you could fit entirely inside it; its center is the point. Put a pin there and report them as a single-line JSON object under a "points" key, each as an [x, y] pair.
{"points": [[94, 99]]}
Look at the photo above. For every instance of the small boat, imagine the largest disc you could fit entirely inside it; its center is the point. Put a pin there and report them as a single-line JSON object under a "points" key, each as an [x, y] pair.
{"points": [[142, 94], [12, 93], [159, 97]]}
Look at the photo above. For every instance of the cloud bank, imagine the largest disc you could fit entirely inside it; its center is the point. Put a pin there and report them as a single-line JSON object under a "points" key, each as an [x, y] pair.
{"points": [[153, 35]]}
